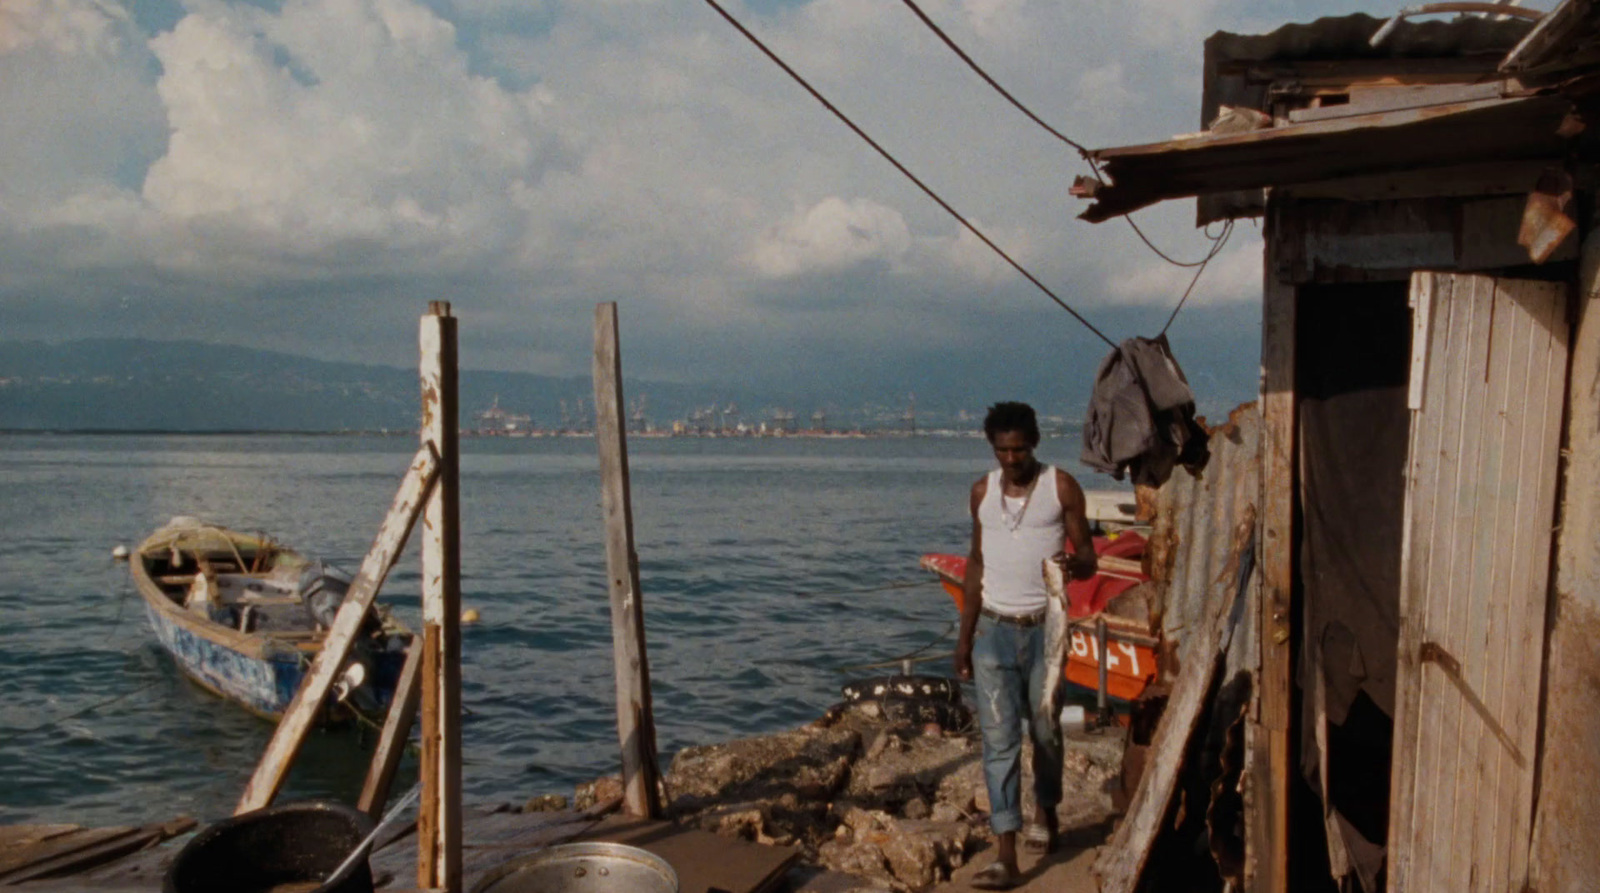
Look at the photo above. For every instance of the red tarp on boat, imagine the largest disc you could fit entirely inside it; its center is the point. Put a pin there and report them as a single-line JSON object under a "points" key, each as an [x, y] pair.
{"points": [[1085, 597]]}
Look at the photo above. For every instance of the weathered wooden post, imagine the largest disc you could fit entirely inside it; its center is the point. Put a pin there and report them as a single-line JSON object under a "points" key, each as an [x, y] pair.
{"points": [[439, 818], [392, 740], [636, 729]]}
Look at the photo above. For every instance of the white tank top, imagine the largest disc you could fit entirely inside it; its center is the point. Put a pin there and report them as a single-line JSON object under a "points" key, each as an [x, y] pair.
{"points": [[1016, 538]]}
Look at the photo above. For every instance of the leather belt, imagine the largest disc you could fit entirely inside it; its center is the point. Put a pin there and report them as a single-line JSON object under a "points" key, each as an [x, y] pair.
{"points": [[1023, 620]]}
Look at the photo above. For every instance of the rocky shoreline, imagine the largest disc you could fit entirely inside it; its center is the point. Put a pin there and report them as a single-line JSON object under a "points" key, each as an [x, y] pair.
{"points": [[897, 805]]}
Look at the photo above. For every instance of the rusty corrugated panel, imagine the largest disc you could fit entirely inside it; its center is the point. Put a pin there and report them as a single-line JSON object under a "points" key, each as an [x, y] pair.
{"points": [[1191, 539], [1562, 39], [1239, 68], [1349, 37]]}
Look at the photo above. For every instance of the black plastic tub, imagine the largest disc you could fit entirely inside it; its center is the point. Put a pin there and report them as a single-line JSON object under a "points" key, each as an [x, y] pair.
{"points": [[292, 847]]}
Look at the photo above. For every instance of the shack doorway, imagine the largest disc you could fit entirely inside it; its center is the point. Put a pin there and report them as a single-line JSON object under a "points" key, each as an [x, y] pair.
{"points": [[1353, 356], [1486, 398]]}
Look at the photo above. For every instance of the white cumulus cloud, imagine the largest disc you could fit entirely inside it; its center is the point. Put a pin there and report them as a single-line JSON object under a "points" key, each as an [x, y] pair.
{"points": [[1233, 277], [356, 152], [831, 235], [339, 121]]}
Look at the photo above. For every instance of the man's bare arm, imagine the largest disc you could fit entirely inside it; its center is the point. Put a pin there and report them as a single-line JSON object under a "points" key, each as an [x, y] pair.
{"points": [[1083, 563], [972, 587]]}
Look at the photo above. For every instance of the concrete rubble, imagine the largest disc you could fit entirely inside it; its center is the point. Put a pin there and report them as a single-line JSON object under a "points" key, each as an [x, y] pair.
{"points": [[896, 806]]}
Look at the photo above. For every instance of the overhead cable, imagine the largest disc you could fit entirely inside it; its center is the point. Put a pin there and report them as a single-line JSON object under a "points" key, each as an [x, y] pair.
{"points": [[902, 169], [1216, 248], [1082, 150], [1087, 157]]}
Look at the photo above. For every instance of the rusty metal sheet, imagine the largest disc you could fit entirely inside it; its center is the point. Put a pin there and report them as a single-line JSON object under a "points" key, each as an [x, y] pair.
{"points": [[1458, 133], [1239, 69], [1191, 539], [1545, 221], [1349, 37]]}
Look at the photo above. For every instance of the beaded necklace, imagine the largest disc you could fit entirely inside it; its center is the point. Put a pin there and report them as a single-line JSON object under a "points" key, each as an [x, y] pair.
{"points": [[1012, 522]]}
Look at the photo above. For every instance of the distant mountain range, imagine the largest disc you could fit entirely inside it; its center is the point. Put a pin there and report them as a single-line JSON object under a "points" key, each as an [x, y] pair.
{"points": [[144, 385], [126, 384]]}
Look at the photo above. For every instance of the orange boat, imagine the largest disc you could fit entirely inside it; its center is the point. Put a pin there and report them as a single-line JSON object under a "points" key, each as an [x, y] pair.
{"points": [[1131, 659]]}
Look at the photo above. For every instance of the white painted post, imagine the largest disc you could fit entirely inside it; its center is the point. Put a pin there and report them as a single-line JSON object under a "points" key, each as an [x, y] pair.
{"points": [[302, 712], [439, 818]]}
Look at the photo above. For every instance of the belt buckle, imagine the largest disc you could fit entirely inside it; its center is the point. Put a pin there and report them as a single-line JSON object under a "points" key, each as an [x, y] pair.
{"points": [[1022, 620]]}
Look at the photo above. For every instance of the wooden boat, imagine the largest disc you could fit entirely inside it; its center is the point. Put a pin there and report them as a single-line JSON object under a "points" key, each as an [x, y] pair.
{"points": [[1131, 657], [244, 616]]}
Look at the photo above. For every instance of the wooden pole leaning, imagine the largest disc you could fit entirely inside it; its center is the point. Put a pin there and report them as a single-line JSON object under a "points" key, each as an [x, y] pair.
{"points": [[636, 730], [302, 712], [439, 818], [392, 740]]}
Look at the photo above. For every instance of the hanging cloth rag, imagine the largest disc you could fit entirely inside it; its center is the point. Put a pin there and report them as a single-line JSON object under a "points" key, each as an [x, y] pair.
{"points": [[1141, 415]]}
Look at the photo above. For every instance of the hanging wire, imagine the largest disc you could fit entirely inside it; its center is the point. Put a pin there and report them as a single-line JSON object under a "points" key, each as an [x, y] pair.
{"points": [[1087, 157], [1216, 248], [908, 174], [918, 655], [1082, 150]]}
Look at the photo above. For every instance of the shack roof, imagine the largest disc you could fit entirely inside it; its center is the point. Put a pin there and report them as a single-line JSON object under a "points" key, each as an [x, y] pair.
{"points": [[1401, 140], [1565, 42], [1446, 103], [1349, 37]]}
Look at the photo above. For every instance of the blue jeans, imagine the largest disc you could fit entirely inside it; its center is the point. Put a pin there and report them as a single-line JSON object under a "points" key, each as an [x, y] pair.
{"points": [[1008, 666]]}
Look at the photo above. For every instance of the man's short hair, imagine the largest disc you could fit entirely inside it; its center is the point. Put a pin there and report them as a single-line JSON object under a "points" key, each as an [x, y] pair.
{"points": [[1011, 416]]}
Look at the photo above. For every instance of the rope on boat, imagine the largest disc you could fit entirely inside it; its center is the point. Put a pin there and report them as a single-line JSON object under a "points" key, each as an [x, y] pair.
{"points": [[900, 584], [91, 708], [895, 662], [908, 657]]}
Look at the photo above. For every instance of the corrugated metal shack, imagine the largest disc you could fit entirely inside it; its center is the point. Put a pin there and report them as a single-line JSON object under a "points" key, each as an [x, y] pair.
{"points": [[1426, 697]]}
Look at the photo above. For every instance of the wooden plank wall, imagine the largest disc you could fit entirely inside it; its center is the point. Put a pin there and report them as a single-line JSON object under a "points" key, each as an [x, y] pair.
{"points": [[1565, 857], [1337, 239], [1479, 511]]}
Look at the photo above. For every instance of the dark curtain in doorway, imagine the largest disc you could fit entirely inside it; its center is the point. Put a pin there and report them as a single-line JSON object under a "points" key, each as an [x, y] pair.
{"points": [[1353, 362]]}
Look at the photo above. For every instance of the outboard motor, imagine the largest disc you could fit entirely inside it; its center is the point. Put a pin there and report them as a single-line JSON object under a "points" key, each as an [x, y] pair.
{"points": [[322, 590]]}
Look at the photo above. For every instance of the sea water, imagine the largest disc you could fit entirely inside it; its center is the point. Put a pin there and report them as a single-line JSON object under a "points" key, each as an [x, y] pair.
{"points": [[770, 568]]}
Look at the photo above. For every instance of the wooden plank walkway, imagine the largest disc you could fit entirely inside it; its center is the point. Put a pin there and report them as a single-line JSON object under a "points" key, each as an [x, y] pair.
{"points": [[704, 861], [36, 852]]}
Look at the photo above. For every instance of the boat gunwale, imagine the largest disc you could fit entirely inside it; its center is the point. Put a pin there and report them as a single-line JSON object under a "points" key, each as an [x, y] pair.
{"points": [[258, 646]]}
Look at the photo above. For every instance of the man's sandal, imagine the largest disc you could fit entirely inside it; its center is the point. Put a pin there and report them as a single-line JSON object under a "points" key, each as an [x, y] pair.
{"points": [[995, 876], [1038, 839]]}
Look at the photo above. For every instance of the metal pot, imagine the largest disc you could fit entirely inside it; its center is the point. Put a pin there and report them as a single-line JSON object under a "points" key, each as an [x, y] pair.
{"points": [[592, 867], [296, 843]]}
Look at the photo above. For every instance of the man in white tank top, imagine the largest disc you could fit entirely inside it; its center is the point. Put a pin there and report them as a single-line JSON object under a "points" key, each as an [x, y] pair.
{"points": [[1022, 513]]}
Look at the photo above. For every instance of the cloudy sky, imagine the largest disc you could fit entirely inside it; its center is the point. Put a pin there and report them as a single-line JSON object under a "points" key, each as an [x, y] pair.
{"points": [[305, 175]]}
